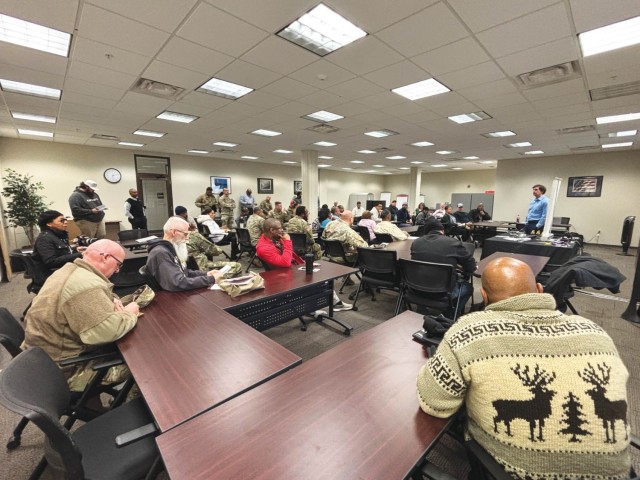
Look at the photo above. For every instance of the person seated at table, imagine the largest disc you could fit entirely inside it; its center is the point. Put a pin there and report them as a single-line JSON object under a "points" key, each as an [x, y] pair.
{"points": [[218, 234], [279, 214], [370, 224], [441, 210], [324, 217], [241, 220], [404, 215], [543, 391], [341, 230], [275, 249], [462, 217], [436, 247], [254, 225], [51, 249], [385, 226], [451, 226], [298, 224], [76, 312], [202, 251], [479, 214], [184, 214], [422, 216], [167, 260]]}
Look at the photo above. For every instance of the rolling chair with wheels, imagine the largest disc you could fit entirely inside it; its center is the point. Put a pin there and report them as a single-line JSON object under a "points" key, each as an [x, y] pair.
{"points": [[334, 249], [222, 243], [299, 243], [379, 269], [365, 234], [244, 244], [134, 234], [383, 238]]}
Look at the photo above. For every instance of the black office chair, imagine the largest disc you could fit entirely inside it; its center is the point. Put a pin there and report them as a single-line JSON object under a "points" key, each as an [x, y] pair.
{"points": [[245, 245], [91, 450], [222, 243], [150, 279], [128, 279], [299, 242], [379, 269], [384, 238], [420, 231], [132, 234], [31, 270], [333, 250], [364, 233], [426, 284]]}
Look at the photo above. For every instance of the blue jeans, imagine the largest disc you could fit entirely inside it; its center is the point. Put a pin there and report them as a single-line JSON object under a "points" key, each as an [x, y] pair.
{"points": [[464, 291]]}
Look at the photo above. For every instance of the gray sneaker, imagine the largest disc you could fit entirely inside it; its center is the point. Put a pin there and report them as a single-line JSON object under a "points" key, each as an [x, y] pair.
{"points": [[341, 306]]}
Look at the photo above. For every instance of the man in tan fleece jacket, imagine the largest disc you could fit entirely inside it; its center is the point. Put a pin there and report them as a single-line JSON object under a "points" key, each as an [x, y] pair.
{"points": [[76, 312]]}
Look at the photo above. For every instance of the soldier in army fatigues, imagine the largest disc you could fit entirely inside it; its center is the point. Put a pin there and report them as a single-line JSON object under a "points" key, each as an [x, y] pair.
{"points": [[279, 214], [254, 225], [341, 230], [298, 224], [207, 199], [265, 205], [227, 206], [203, 251]]}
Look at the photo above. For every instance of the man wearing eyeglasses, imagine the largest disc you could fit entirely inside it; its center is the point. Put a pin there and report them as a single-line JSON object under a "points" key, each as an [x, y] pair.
{"points": [[76, 312], [167, 260]]}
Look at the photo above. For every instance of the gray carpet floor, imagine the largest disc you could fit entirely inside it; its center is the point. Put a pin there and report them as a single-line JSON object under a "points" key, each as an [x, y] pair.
{"points": [[318, 338]]}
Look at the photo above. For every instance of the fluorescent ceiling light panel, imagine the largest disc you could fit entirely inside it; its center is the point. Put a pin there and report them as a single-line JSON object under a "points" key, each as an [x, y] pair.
{"points": [[626, 133], [266, 133], [470, 117], [224, 89], [418, 90], [149, 133], [199, 151], [614, 36], [323, 116], [347, 168], [378, 166], [325, 144], [32, 117], [504, 133], [289, 161], [445, 152], [381, 133], [473, 157], [131, 144], [177, 117], [249, 157], [395, 157], [439, 165], [518, 145], [280, 150], [417, 163], [422, 144], [404, 168], [35, 133], [323, 165], [534, 152], [617, 145], [322, 31], [324, 157], [627, 117], [225, 144], [366, 151], [28, 89], [356, 161], [456, 168], [31, 35], [486, 162]]}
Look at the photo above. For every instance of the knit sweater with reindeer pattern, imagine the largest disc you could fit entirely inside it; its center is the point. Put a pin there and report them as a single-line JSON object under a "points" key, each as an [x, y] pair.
{"points": [[545, 393]]}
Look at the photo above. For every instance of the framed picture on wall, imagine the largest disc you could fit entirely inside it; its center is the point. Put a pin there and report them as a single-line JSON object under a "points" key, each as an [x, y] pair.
{"points": [[297, 186], [265, 185], [218, 183], [584, 186]]}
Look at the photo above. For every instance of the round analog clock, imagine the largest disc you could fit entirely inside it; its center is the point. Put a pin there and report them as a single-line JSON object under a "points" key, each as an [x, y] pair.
{"points": [[112, 175]]}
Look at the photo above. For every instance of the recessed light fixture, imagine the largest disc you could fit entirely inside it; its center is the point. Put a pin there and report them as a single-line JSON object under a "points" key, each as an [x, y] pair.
{"points": [[33, 117], [280, 150], [224, 89], [356, 161], [32, 35], [418, 90], [618, 118], [486, 162], [249, 157], [404, 168], [422, 144], [395, 157], [131, 144], [504, 133], [149, 133], [456, 168], [371, 171], [470, 117], [347, 168], [29, 89], [199, 151], [611, 37], [378, 166], [381, 133], [518, 145], [266, 133], [472, 157], [324, 157], [325, 144], [617, 145], [446, 152], [289, 161], [177, 117], [321, 31], [439, 165], [417, 162], [35, 133], [626, 133], [366, 151], [323, 165], [534, 152], [323, 116], [225, 144]]}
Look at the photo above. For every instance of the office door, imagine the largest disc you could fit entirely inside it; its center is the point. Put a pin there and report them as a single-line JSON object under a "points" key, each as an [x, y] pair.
{"points": [[156, 200]]}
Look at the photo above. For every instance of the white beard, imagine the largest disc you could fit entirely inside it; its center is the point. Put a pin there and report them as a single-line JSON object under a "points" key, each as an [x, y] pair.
{"points": [[181, 252]]}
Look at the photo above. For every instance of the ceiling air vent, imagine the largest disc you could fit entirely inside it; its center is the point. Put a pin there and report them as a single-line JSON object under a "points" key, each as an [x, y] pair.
{"points": [[585, 147], [381, 150], [549, 75], [323, 128], [156, 89], [580, 129], [613, 91], [101, 136]]}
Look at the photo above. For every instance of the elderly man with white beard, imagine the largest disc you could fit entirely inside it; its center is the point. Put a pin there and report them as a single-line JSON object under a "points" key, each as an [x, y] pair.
{"points": [[168, 257]]}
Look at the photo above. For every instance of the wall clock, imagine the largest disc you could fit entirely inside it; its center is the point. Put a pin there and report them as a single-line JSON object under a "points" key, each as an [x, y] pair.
{"points": [[112, 175]]}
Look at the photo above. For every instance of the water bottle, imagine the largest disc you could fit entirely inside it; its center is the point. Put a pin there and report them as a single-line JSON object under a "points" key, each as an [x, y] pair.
{"points": [[308, 261]]}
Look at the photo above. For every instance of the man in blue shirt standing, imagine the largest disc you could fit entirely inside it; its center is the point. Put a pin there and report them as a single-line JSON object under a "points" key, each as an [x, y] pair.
{"points": [[537, 213]]}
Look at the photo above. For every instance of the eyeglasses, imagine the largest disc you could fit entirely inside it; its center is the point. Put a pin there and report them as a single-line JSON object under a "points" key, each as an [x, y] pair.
{"points": [[185, 233], [62, 220], [113, 256]]}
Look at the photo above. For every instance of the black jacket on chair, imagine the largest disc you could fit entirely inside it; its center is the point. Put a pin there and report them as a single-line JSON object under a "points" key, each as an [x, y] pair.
{"points": [[437, 248], [50, 252]]}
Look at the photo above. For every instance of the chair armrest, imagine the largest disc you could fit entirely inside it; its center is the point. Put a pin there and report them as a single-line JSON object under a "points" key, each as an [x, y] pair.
{"points": [[136, 434], [85, 357], [487, 461]]}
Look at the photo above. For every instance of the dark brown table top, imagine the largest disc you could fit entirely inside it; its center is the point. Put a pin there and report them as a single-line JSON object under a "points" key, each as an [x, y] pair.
{"points": [[350, 412], [188, 356], [536, 262]]}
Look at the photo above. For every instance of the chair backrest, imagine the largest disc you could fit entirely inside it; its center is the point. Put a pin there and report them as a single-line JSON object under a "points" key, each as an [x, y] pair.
{"points": [[561, 220], [299, 242], [377, 261], [33, 386], [364, 233], [384, 237], [132, 234], [204, 229], [244, 238], [150, 279], [427, 277], [334, 248], [37, 273], [11, 332], [420, 231]]}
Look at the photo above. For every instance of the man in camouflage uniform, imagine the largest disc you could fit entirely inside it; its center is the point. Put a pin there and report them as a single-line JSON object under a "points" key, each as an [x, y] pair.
{"points": [[299, 224], [254, 225], [291, 211], [279, 214], [227, 206], [266, 206], [203, 251], [341, 230], [207, 199]]}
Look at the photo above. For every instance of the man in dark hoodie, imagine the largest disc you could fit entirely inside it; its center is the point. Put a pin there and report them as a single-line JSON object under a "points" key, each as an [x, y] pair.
{"points": [[168, 257], [87, 210]]}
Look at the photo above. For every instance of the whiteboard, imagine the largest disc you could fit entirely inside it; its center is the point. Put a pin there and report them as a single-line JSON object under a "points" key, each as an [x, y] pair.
{"points": [[386, 196], [402, 198]]}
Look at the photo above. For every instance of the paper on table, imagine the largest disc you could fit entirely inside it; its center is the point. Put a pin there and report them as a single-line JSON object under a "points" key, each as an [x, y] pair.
{"points": [[146, 239]]}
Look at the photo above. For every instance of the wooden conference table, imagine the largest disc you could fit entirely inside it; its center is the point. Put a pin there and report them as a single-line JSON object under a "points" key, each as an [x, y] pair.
{"points": [[558, 253], [350, 412]]}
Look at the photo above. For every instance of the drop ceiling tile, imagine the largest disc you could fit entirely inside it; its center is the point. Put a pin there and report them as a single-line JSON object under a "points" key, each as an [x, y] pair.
{"points": [[58, 14], [631, 102], [613, 68], [374, 15], [590, 14], [351, 108], [382, 100], [555, 90], [90, 100], [19, 102], [183, 53], [28, 58], [537, 28], [450, 110], [279, 55], [211, 27], [142, 104], [404, 109], [365, 55], [356, 88], [488, 13], [99, 25], [177, 76], [27, 75], [247, 74], [201, 101], [163, 14], [322, 100], [455, 56], [420, 118], [428, 29], [269, 15], [487, 104], [99, 75], [398, 75], [552, 53], [322, 74], [555, 102], [288, 88], [263, 100], [489, 89], [295, 109], [476, 75], [109, 57]]}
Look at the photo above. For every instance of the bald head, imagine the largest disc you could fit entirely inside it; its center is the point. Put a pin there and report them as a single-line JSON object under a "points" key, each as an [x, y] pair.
{"points": [[105, 255], [507, 277], [347, 216]]}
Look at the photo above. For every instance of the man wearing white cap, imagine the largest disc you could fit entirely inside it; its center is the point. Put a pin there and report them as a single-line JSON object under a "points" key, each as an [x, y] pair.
{"points": [[461, 215], [87, 210]]}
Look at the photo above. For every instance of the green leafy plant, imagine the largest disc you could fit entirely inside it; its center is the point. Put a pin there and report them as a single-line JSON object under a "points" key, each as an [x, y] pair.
{"points": [[25, 203]]}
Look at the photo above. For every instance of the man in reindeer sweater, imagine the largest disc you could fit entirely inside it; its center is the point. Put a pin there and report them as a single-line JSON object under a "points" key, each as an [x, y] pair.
{"points": [[545, 393]]}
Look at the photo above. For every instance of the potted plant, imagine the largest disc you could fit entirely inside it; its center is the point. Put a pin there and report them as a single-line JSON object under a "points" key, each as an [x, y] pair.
{"points": [[25, 203]]}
